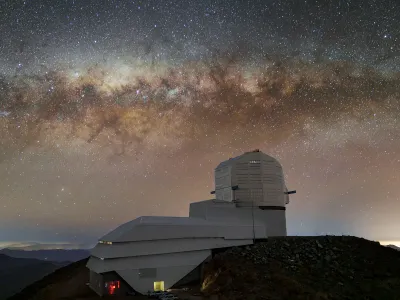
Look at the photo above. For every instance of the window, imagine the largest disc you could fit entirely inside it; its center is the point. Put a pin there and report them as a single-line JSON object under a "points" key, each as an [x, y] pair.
{"points": [[104, 242], [148, 273], [254, 162], [112, 286], [158, 286]]}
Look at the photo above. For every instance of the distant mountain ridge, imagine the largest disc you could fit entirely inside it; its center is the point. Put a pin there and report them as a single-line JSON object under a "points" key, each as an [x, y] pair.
{"points": [[30, 246], [17, 273], [55, 255]]}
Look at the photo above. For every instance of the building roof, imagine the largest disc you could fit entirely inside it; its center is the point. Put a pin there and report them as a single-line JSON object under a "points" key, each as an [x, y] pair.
{"points": [[228, 161], [159, 220], [232, 160], [161, 228], [121, 232]]}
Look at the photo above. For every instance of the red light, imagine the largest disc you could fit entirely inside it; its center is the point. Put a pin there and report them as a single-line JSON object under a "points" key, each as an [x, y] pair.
{"points": [[112, 286]]}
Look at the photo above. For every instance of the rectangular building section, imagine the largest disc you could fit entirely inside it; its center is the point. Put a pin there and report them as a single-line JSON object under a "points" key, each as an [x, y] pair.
{"points": [[157, 253]]}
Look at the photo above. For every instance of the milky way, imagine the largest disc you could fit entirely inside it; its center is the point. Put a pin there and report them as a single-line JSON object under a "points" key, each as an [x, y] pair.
{"points": [[114, 109]]}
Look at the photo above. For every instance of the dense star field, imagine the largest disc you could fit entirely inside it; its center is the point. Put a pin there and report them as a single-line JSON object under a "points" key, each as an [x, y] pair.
{"points": [[114, 109]]}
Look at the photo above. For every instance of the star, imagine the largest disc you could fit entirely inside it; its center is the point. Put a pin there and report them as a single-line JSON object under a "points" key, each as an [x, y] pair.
{"points": [[111, 111]]}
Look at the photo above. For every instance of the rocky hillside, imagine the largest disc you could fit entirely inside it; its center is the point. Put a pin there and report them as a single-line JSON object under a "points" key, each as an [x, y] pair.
{"points": [[325, 267]]}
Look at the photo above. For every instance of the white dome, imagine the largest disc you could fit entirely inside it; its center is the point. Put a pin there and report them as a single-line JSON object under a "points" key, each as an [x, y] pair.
{"points": [[253, 178]]}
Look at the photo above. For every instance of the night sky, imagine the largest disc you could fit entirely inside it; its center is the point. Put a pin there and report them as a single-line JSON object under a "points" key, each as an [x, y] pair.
{"points": [[114, 109]]}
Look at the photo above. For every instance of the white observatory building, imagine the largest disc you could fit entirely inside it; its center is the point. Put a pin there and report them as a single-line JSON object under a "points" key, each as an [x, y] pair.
{"points": [[248, 188], [157, 253]]}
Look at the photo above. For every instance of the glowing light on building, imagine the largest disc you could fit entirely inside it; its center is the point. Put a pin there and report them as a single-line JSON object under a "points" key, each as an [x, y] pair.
{"points": [[112, 286]]}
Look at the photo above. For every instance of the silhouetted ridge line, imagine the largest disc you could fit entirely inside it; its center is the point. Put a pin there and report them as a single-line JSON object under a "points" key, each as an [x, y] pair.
{"points": [[57, 276]]}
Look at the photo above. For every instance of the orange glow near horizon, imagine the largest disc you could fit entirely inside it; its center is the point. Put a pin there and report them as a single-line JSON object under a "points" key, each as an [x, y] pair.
{"points": [[385, 243]]}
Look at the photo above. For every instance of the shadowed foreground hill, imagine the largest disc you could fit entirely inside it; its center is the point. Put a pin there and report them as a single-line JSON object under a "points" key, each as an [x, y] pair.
{"points": [[278, 268], [394, 247], [17, 273], [68, 282], [325, 267]]}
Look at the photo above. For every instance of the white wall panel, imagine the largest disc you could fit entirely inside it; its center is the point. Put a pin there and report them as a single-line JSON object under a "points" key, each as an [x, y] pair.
{"points": [[274, 221], [259, 178], [169, 246], [148, 261]]}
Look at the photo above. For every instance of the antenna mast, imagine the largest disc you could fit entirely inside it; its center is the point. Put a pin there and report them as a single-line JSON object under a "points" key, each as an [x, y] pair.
{"points": [[252, 216]]}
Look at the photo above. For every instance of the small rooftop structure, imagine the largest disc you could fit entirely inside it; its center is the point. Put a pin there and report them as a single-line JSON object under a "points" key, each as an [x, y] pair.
{"points": [[155, 253]]}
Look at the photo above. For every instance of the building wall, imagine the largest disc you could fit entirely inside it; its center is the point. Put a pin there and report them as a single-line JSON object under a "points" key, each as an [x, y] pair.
{"points": [[171, 259], [148, 261], [151, 232], [162, 268], [260, 181], [223, 183], [259, 178], [124, 287], [273, 220], [96, 282], [192, 276], [141, 248], [169, 275]]}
